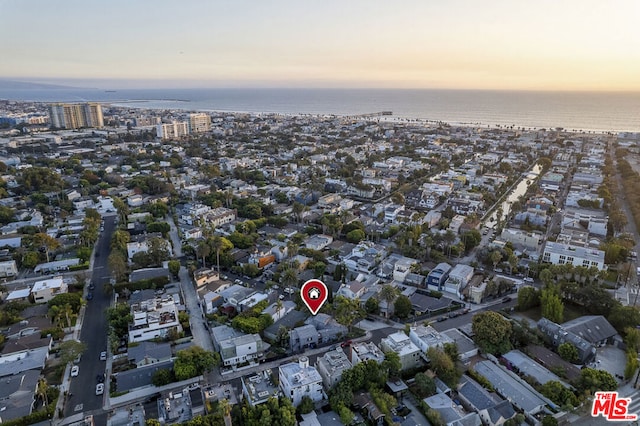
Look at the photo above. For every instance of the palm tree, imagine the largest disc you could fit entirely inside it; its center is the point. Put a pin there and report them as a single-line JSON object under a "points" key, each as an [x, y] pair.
{"points": [[41, 390], [388, 294], [216, 244], [203, 250], [292, 251], [56, 315], [449, 238], [289, 277], [279, 306], [67, 312], [298, 208]]}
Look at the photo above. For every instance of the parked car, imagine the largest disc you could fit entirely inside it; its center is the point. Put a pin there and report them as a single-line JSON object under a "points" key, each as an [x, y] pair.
{"points": [[74, 371], [99, 388], [346, 343], [506, 299], [103, 356], [89, 296], [100, 378], [528, 280]]}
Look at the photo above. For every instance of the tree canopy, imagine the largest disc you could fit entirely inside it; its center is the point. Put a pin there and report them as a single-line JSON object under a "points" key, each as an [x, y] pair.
{"points": [[492, 332]]}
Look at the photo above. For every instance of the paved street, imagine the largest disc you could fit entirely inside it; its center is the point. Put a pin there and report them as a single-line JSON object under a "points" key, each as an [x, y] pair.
{"points": [[94, 333]]}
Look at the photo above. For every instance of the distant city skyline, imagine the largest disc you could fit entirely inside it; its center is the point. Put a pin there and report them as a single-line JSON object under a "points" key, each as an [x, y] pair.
{"points": [[462, 44]]}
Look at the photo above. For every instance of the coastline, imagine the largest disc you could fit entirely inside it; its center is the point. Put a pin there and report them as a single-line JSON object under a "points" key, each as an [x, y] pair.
{"points": [[574, 112], [355, 117]]}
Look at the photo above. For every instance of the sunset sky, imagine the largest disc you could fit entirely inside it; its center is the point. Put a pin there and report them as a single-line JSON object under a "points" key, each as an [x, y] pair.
{"points": [[459, 44]]}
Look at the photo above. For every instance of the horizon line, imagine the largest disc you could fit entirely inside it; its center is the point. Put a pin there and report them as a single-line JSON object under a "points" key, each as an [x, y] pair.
{"points": [[273, 85]]}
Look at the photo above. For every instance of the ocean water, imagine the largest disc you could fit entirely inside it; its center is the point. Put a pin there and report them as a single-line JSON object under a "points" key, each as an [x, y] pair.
{"points": [[588, 111]]}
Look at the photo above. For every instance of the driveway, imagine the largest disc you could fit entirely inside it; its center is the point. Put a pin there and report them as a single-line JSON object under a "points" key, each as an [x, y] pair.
{"points": [[200, 334]]}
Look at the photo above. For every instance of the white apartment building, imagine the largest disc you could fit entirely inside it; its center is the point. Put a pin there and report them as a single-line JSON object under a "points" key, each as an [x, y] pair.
{"points": [[142, 247], [427, 337], [174, 130], [560, 254], [519, 238], [219, 216], [400, 343], [153, 318], [298, 379], [199, 122], [331, 365]]}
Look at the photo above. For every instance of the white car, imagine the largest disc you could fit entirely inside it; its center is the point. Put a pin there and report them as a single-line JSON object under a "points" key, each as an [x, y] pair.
{"points": [[74, 371], [99, 388], [103, 356]]}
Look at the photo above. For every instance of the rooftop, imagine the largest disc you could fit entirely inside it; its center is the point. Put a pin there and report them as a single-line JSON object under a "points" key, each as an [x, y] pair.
{"points": [[260, 386], [297, 375]]}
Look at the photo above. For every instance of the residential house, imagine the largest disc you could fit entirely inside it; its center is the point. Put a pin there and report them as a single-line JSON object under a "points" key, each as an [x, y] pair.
{"points": [[23, 360], [135, 200], [400, 343], [204, 276], [17, 394], [521, 239], [512, 388], [246, 348], [8, 268], [365, 351], [438, 276], [305, 336], [318, 242], [331, 365], [459, 277], [278, 313], [498, 414], [466, 347], [45, 290], [259, 387], [153, 318], [219, 216], [474, 397], [557, 335], [526, 367], [299, 379], [320, 328], [145, 353], [353, 290], [364, 403], [425, 337], [595, 329], [142, 245], [451, 413]]}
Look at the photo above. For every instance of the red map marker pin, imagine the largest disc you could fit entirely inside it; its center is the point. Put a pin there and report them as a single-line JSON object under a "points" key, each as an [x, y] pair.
{"points": [[314, 293]]}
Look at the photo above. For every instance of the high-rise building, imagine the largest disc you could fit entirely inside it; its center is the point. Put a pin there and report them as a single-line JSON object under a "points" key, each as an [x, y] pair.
{"points": [[75, 116], [173, 130], [199, 122]]}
